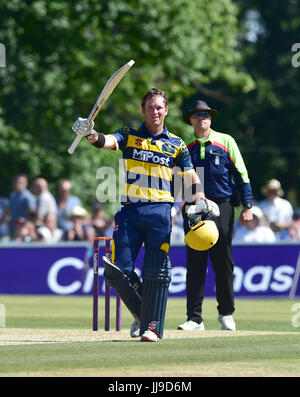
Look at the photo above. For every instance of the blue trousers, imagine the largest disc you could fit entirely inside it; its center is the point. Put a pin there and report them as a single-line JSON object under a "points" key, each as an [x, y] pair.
{"points": [[137, 224]]}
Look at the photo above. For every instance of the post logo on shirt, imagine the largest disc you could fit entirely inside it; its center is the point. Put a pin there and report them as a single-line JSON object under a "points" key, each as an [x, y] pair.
{"points": [[151, 157]]}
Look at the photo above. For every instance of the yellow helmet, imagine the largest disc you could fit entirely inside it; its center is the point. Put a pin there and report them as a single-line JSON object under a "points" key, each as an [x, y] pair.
{"points": [[203, 235]]}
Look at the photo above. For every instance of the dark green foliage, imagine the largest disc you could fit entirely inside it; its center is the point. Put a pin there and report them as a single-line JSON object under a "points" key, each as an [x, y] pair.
{"points": [[266, 121], [60, 55]]}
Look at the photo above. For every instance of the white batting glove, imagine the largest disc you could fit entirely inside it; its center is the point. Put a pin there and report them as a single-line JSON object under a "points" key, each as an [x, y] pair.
{"points": [[208, 207], [212, 208], [83, 127]]}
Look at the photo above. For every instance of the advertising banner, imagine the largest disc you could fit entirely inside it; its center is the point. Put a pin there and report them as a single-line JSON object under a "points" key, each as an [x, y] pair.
{"points": [[66, 269], [42, 269]]}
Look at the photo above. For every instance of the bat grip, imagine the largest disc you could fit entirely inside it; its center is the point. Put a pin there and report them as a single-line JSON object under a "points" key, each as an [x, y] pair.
{"points": [[74, 144]]}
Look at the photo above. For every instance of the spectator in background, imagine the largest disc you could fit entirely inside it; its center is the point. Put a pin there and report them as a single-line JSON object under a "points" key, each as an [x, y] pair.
{"points": [[177, 232], [255, 231], [81, 229], [65, 203], [178, 205], [4, 226], [22, 203], [278, 210], [24, 231], [110, 227], [98, 221], [293, 232], [46, 203], [49, 232], [296, 220]]}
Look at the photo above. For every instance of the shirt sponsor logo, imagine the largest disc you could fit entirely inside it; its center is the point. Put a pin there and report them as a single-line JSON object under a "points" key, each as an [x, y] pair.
{"points": [[150, 157]]}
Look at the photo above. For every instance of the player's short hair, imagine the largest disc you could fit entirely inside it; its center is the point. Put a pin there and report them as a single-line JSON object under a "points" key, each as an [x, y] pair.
{"points": [[152, 93]]}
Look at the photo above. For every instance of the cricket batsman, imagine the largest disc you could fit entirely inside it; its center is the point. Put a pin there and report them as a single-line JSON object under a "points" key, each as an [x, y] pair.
{"points": [[150, 153]]}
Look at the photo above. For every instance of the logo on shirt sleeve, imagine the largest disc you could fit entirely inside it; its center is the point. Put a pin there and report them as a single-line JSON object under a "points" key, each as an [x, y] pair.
{"points": [[168, 149]]}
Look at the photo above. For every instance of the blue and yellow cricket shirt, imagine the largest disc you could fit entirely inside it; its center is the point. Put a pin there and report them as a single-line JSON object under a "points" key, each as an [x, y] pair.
{"points": [[224, 169], [149, 162]]}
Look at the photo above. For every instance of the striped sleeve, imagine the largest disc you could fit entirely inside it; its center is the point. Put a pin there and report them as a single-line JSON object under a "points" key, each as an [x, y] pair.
{"points": [[121, 137], [237, 160], [183, 160], [240, 172]]}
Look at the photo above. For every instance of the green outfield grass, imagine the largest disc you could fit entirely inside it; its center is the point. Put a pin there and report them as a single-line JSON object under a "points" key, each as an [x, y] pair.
{"points": [[52, 336]]}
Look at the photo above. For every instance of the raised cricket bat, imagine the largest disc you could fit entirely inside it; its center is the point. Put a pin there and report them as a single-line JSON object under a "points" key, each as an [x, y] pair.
{"points": [[107, 90]]}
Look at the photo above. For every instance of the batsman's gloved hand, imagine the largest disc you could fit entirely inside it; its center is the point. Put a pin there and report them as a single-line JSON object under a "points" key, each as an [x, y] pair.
{"points": [[83, 127], [204, 206]]}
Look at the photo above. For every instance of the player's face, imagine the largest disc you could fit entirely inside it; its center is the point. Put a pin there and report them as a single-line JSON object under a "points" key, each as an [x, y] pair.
{"points": [[155, 112]]}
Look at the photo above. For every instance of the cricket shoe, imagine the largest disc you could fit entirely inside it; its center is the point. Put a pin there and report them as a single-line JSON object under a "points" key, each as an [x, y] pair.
{"points": [[135, 329], [227, 322], [149, 336], [191, 326]]}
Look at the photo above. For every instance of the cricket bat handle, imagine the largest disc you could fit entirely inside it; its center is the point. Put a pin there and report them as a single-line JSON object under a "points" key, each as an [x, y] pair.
{"points": [[74, 144]]}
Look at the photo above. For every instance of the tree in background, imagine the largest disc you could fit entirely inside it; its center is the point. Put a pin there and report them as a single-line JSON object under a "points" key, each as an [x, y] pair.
{"points": [[273, 108], [61, 53], [265, 121]]}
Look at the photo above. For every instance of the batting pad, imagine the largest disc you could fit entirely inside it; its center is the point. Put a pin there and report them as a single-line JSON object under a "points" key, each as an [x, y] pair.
{"points": [[135, 282], [116, 279], [156, 280]]}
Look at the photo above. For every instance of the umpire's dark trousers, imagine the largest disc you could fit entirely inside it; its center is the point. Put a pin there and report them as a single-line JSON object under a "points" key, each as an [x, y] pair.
{"points": [[222, 262]]}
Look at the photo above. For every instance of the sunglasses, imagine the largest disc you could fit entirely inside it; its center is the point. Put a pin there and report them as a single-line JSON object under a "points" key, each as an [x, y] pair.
{"points": [[201, 114]]}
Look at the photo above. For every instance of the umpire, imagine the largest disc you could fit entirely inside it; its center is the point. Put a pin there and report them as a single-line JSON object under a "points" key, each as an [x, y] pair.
{"points": [[224, 176]]}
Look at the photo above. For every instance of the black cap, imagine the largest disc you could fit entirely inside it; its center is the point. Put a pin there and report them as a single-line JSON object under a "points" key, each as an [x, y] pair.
{"points": [[199, 106]]}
